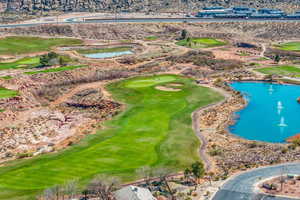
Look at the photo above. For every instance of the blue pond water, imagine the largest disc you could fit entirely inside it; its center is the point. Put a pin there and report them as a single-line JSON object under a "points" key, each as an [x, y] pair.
{"points": [[107, 55], [272, 113]]}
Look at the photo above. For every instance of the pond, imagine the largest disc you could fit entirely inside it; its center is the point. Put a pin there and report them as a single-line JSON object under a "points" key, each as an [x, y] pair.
{"points": [[272, 113], [107, 54]]}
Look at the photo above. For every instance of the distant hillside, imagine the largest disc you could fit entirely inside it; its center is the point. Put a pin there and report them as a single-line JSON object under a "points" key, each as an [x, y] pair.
{"points": [[138, 5]]}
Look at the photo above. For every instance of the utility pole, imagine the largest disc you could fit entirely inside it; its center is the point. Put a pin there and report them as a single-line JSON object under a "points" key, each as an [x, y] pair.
{"points": [[283, 171]]}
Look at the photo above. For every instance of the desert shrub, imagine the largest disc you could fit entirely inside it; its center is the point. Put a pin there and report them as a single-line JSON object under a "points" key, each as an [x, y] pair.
{"points": [[24, 155], [215, 152]]}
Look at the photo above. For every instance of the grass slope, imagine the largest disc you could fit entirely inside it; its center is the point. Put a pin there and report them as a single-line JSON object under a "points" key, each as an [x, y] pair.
{"points": [[20, 45], [6, 93], [104, 50], [200, 42], [22, 63], [281, 70], [289, 46], [154, 130], [58, 69]]}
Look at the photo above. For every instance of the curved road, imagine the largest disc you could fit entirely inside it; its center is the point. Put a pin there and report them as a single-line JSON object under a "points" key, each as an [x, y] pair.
{"points": [[241, 187]]}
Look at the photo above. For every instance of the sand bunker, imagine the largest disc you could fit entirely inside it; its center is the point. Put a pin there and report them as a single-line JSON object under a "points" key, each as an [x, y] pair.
{"points": [[175, 84], [163, 88]]}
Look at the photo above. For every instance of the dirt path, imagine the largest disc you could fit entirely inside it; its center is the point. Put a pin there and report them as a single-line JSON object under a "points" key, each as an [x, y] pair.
{"points": [[263, 50], [196, 127]]}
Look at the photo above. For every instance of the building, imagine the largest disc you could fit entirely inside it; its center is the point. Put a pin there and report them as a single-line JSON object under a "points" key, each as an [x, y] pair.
{"points": [[271, 11], [211, 13], [133, 193], [214, 8]]}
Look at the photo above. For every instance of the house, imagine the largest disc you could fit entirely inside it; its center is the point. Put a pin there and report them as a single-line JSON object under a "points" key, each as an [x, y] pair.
{"points": [[133, 193]]}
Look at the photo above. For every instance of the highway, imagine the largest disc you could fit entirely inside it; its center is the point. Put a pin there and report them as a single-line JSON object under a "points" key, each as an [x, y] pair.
{"points": [[141, 20], [241, 187]]}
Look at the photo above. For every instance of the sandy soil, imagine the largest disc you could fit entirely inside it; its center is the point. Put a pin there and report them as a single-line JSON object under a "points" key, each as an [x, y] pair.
{"points": [[164, 88]]}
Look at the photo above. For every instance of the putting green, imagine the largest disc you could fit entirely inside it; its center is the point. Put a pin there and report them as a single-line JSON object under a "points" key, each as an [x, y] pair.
{"points": [[154, 130], [289, 46], [149, 81], [200, 42]]}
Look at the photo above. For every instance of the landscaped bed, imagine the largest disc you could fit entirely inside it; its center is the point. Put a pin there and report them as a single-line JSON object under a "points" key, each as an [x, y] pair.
{"points": [[200, 42], [286, 185], [154, 130]]}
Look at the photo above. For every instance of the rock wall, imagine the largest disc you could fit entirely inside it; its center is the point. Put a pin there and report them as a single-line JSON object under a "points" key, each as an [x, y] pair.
{"points": [[139, 5]]}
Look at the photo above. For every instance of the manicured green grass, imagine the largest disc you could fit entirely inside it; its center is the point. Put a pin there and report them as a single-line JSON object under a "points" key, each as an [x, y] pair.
{"points": [[262, 59], [6, 77], [151, 38], [22, 63], [6, 93], [154, 130], [289, 46], [58, 69], [281, 70], [20, 45], [104, 50], [200, 42]]}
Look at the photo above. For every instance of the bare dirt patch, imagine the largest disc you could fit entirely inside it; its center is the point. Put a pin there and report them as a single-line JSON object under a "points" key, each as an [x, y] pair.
{"points": [[175, 84]]}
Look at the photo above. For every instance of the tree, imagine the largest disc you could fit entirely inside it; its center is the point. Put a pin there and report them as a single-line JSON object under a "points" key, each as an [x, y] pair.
{"points": [[277, 58], [49, 59], [103, 187], [184, 34], [197, 170], [53, 193], [71, 189], [163, 173], [187, 174], [189, 42]]}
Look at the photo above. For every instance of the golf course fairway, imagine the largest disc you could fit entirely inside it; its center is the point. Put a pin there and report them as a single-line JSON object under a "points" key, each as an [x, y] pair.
{"points": [[155, 130]]}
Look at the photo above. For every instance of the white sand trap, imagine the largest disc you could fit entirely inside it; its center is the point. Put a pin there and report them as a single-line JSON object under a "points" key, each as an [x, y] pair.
{"points": [[175, 84], [163, 88]]}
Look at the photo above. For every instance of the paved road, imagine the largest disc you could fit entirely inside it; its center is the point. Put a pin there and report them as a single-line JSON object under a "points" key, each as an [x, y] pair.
{"points": [[241, 187], [142, 20]]}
